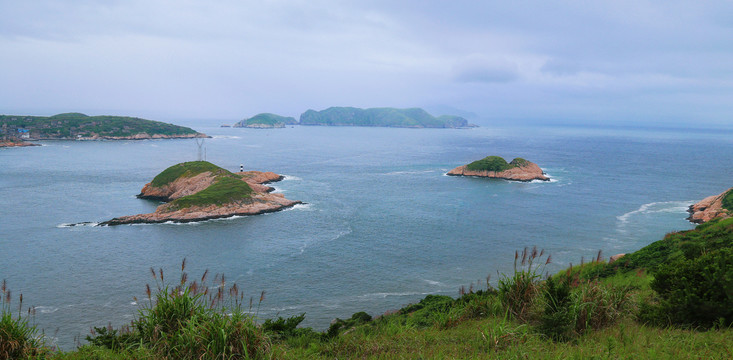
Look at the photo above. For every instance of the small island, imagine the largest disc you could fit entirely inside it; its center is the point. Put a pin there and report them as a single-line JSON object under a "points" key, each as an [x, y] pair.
{"points": [[381, 117], [200, 190], [712, 207], [77, 126], [266, 121], [496, 167]]}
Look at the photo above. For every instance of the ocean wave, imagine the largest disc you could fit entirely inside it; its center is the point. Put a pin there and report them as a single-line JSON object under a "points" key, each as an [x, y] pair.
{"points": [[405, 172], [225, 137], [85, 223], [657, 207], [46, 309], [301, 207], [433, 282], [383, 295], [291, 178]]}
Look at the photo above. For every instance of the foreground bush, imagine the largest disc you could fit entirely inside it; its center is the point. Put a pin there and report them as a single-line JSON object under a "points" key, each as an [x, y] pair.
{"points": [[191, 321], [18, 338], [694, 292]]}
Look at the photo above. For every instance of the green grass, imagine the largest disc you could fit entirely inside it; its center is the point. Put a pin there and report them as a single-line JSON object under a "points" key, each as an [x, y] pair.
{"points": [[710, 236], [224, 190], [728, 200], [186, 169]]}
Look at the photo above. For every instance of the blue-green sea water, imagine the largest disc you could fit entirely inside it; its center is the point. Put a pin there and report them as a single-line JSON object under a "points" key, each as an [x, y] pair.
{"points": [[381, 228]]}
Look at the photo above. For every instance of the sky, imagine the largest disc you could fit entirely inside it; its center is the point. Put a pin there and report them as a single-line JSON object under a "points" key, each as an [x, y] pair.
{"points": [[590, 62]]}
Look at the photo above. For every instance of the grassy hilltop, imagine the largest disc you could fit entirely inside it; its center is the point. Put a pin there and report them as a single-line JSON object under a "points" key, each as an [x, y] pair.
{"points": [[226, 188], [671, 299], [74, 125]]}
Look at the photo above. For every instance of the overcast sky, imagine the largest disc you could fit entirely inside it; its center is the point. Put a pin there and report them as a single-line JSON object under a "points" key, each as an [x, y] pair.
{"points": [[668, 62]]}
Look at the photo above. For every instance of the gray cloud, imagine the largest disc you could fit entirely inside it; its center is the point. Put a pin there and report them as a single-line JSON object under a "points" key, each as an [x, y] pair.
{"points": [[233, 57]]}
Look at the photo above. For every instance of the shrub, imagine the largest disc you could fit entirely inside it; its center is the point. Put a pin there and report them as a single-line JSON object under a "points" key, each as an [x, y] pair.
{"points": [[519, 292], [18, 338], [696, 292]]}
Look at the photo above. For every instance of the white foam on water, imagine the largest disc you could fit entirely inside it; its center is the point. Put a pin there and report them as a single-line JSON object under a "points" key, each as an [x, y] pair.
{"points": [[46, 309], [301, 207], [291, 178], [383, 295], [657, 207], [409, 172], [71, 225], [433, 282]]}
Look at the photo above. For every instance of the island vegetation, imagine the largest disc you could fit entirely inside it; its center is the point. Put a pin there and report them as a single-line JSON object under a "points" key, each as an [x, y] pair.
{"points": [[384, 117], [267, 120], [77, 126], [200, 190], [495, 163], [670, 299]]}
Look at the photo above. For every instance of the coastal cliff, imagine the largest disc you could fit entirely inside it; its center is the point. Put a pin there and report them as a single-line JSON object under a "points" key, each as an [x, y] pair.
{"points": [[496, 167], [199, 190], [712, 207]]}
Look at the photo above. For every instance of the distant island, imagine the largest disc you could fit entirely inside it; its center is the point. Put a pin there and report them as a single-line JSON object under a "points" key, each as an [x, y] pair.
{"points": [[382, 117], [496, 167], [200, 190], [77, 126], [266, 121], [712, 207]]}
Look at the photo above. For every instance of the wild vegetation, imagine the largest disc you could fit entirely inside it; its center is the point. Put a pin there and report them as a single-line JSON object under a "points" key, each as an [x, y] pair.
{"points": [[671, 299], [187, 169], [383, 117], [74, 125], [728, 200], [494, 163]]}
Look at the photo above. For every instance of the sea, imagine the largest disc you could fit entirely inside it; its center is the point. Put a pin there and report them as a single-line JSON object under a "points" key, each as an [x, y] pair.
{"points": [[381, 226]]}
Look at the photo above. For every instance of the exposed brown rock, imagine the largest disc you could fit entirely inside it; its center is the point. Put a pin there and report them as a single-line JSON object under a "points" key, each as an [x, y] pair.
{"points": [[615, 258], [261, 200], [708, 209], [8, 143], [527, 172]]}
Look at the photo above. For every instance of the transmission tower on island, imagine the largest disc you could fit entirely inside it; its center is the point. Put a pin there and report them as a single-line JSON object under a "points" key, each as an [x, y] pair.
{"points": [[202, 150]]}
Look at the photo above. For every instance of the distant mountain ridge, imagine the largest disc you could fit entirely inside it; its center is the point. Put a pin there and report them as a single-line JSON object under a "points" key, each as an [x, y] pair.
{"points": [[78, 126], [381, 117]]}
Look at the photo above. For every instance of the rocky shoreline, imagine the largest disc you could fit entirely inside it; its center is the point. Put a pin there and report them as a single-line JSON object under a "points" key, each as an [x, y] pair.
{"points": [[4, 143], [526, 172], [260, 201], [709, 208]]}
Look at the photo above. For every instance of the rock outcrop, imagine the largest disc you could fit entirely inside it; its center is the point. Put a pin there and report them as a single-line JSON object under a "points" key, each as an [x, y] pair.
{"points": [[709, 208], [523, 171], [257, 201], [9, 143]]}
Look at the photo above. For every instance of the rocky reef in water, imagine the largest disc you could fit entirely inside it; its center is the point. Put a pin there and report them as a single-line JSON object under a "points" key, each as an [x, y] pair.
{"points": [[496, 167], [712, 207], [199, 190]]}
